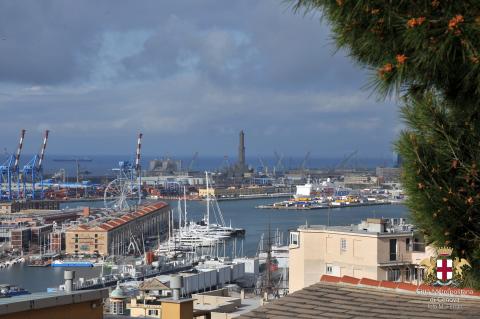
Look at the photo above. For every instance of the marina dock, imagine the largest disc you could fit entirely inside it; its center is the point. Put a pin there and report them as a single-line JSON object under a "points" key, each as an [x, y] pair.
{"points": [[311, 207]]}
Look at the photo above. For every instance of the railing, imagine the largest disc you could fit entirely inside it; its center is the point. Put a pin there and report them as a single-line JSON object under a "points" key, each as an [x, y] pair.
{"points": [[395, 258], [417, 247]]}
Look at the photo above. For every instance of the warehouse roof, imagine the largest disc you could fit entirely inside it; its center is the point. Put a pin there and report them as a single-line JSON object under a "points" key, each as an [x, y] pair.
{"points": [[121, 220], [348, 297]]}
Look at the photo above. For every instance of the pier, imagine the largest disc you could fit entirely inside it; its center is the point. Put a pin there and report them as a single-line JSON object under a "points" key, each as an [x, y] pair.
{"points": [[311, 207]]}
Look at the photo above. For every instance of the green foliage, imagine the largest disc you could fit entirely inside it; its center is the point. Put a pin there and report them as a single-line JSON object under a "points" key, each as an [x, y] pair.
{"points": [[440, 172], [426, 44], [427, 51]]}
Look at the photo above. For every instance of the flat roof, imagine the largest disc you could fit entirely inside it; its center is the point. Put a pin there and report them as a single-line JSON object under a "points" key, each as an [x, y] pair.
{"points": [[41, 300], [350, 229]]}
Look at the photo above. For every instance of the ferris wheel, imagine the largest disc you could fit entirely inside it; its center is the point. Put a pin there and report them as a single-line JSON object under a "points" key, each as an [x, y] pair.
{"points": [[121, 193], [126, 189]]}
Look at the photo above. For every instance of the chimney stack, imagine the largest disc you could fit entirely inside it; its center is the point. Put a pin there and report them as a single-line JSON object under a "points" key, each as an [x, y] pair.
{"points": [[176, 283], [241, 150], [68, 275], [177, 308]]}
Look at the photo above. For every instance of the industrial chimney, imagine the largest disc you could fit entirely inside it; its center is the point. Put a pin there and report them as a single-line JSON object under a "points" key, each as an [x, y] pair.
{"points": [[241, 150], [177, 308], [68, 275], [176, 283]]}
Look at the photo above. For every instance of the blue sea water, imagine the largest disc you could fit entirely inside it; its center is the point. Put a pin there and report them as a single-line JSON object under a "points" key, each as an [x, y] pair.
{"points": [[241, 213]]}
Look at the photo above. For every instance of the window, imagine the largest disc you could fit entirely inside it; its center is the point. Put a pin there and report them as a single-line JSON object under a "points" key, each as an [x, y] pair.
{"points": [[76, 246], [96, 235], [343, 245], [393, 275], [76, 240], [96, 246], [407, 244], [407, 274], [96, 241], [329, 269], [393, 249], [152, 312], [116, 308], [76, 235], [294, 239]]}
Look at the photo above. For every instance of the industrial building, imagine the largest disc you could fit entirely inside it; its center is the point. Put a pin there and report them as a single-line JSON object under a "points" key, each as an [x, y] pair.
{"points": [[234, 192], [359, 180], [119, 234], [166, 166], [30, 238], [388, 174], [18, 206]]}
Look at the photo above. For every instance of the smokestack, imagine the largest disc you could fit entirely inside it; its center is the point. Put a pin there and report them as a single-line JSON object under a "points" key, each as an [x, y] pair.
{"points": [[68, 275], [176, 283], [241, 150]]}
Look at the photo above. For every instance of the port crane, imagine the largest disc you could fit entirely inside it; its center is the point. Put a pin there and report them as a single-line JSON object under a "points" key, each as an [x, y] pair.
{"points": [[33, 171], [192, 162], [263, 167], [9, 172], [77, 162], [303, 167], [344, 162], [279, 167]]}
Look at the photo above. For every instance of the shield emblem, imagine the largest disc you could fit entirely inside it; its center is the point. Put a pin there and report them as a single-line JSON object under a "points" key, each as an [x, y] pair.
{"points": [[444, 269]]}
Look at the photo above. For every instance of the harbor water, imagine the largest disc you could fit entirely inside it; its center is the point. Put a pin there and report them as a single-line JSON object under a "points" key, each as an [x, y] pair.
{"points": [[241, 213]]}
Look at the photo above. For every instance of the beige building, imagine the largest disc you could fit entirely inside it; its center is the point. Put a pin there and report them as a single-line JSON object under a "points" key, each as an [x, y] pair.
{"points": [[149, 303], [222, 192], [359, 180], [378, 249], [114, 235]]}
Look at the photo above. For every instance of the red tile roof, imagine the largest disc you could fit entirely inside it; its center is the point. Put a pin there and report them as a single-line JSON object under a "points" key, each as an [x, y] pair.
{"points": [[111, 224]]}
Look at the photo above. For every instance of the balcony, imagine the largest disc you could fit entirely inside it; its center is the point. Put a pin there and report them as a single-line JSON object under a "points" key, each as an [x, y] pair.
{"points": [[397, 260], [417, 247]]}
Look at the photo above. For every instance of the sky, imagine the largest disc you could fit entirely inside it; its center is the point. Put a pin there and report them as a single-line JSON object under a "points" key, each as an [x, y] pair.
{"points": [[189, 75]]}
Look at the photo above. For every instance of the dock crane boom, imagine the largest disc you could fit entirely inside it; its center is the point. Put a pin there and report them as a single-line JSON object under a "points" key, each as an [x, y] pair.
{"points": [[42, 151], [279, 165], [137, 156], [263, 166], [19, 150], [33, 170], [9, 171], [305, 160], [138, 167], [345, 161], [192, 162]]}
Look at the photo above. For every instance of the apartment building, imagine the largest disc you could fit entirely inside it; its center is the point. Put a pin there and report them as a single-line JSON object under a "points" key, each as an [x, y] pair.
{"points": [[379, 249]]}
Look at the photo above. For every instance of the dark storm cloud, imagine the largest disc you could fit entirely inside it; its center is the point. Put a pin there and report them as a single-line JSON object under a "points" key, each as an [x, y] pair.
{"points": [[183, 72]]}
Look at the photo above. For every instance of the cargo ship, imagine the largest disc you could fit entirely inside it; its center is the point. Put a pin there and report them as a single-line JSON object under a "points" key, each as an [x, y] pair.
{"points": [[71, 263]]}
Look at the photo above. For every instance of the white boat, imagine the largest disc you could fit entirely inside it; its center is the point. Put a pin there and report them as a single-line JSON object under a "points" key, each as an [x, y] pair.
{"points": [[190, 235]]}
